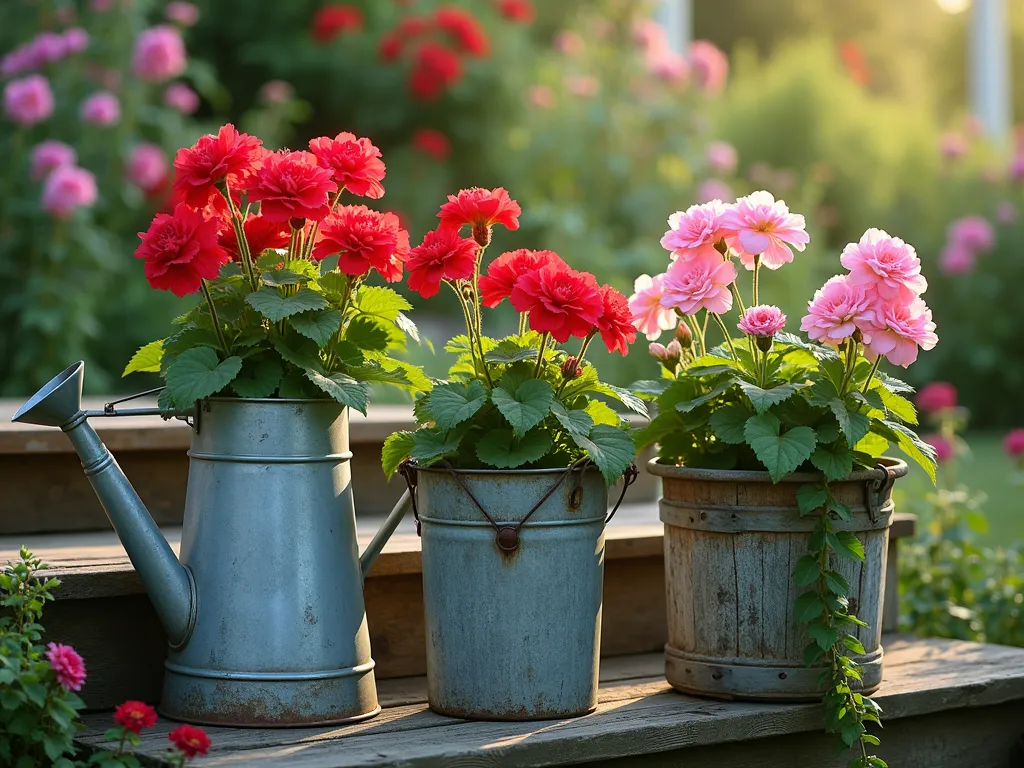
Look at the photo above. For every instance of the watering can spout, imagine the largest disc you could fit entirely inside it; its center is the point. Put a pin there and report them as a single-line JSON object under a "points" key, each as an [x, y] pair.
{"points": [[169, 584]]}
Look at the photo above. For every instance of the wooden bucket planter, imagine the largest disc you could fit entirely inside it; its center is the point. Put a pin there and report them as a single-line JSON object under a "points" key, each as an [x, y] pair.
{"points": [[732, 540]]}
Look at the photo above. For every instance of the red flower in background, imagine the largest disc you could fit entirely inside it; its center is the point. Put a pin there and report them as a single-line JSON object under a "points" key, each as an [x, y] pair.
{"points": [[189, 740], [615, 323], [432, 142], [412, 26], [135, 715], [389, 48], [506, 269], [561, 301], [363, 239], [481, 209], [520, 11], [464, 30], [853, 60], [260, 234], [181, 250], [434, 69], [333, 20], [292, 185], [355, 163], [228, 158], [442, 255]]}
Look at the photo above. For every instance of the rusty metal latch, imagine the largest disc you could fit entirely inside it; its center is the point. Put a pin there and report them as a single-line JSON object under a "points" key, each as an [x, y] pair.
{"points": [[877, 491]]}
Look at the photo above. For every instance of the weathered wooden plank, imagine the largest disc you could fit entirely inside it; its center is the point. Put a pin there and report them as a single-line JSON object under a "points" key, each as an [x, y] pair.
{"points": [[748, 561], [776, 577]]}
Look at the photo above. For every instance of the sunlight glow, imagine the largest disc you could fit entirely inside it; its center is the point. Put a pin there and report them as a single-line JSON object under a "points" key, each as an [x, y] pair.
{"points": [[954, 6]]}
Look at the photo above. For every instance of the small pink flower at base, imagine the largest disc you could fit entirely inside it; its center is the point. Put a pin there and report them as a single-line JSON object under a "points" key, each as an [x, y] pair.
{"points": [[974, 233], [885, 266], [839, 308], [898, 332], [569, 43], [101, 109], [584, 86], [66, 189], [699, 225], [76, 40], [50, 155], [146, 167], [709, 66], [1013, 443], [48, 48], [541, 97], [443, 255], [764, 226], [182, 13], [944, 450], [700, 282], [28, 101], [189, 740], [953, 146], [721, 157], [159, 54], [936, 397], [67, 665], [956, 260], [135, 716], [1006, 212], [762, 320], [649, 316], [181, 98], [617, 331], [713, 189]]}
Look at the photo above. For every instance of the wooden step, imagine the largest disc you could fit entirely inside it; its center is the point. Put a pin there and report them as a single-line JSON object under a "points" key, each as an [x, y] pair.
{"points": [[947, 704]]}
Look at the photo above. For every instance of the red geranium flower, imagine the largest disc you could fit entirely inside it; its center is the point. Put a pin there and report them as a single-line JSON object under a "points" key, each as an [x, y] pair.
{"points": [[364, 239], [433, 143], [521, 11], [260, 234], [181, 250], [332, 20], [464, 29], [189, 740], [412, 26], [616, 322], [135, 715], [355, 163], [434, 69], [561, 301], [291, 185], [481, 209], [443, 254], [389, 48], [228, 158], [506, 269]]}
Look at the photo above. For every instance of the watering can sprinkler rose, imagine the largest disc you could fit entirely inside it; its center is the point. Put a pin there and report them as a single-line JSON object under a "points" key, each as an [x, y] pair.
{"points": [[771, 444], [264, 611], [509, 468]]}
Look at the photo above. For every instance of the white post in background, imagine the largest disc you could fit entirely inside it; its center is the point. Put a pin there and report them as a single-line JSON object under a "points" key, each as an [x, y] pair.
{"points": [[677, 18], [989, 69]]}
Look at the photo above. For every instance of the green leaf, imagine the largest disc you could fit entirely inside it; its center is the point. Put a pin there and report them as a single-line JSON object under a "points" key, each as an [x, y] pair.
{"points": [[334, 285], [872, 444], [780, 453], [371, 370], [198, 373], [894, 385], [837, 583], [820, 351], [278, 277], [408, 327], [854, 425], [763, 399], [453, 402], [624, 396], [272, 305], [812, 654], [824, 636], [649, 387], [300, 352], [835, 460], [500, 448], [727, 423], [318, 326], [431, 444], [146, 359], [527, 406], [610, 448], [398, 446], [897, 405], [367, 332], [912, 445], [418, 381], [810, 498], [688, 405], [258, 378], [846, 545], [381, 302], [712, 365], [511, 350], [807, 571], [808, 607], [341, 387], [602, 413], [854, 644], [575, 422]]}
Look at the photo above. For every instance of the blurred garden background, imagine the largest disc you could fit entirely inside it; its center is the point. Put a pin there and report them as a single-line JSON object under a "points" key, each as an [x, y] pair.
{"points": [[600, 122]]}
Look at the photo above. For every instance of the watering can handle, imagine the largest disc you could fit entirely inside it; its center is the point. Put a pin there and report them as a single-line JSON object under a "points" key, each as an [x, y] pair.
{"points": [[391, 522]]}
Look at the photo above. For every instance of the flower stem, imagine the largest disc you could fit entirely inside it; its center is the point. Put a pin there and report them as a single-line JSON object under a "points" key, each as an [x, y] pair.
{"points": [[871, 375], [725, 332], [469, 326], [523, 317], [238, 223], [739, 299], [851, 363], [213, 315], [540, 354], [757, 269]]}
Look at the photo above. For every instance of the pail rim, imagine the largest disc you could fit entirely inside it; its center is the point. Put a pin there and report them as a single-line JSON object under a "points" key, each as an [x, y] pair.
{"points": [[655, 467], [503, 472], [282, 400]]}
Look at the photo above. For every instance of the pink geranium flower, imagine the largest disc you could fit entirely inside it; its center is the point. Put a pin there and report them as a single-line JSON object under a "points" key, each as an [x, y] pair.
{"points": [[936, 396], [700, 282], [49, 155], [76, 39], [541, 97], [885, 265], [159, 54], [944, 450], [1013, 443], [721, 157], [66, 189], [68, 666], [956, 260], [899, 330], [101, 108], [762, 320], [147, 166], [180, 97], [713, 189], [764, 227], [709, 65], [697, 226], [837, 310], [29, 100], [649, 317], [974, 233]]}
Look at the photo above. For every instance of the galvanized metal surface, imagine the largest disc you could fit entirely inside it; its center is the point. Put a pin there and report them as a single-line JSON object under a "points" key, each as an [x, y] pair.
{"points": [[265, 609], [732, 540], [512, 635]]}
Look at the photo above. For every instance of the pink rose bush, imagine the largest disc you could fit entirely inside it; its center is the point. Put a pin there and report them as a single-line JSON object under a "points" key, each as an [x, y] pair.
{"points": [[763, 229], [28, 101], [159, 54]]}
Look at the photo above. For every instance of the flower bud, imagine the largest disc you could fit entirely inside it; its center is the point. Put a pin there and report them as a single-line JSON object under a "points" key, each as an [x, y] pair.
{"points": [[764, 343], [482, 235], [684, 336], [297, 222], [668, 356], [571, 369]]}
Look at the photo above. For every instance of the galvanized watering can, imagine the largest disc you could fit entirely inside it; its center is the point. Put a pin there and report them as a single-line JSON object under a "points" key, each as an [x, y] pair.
{"points": [[264, 612]]}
